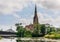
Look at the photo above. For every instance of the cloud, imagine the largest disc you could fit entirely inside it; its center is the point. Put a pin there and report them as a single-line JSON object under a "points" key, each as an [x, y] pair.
{"points": [[25, 21], [6, 27], [11, 6], [49, 4], [45, 18]]}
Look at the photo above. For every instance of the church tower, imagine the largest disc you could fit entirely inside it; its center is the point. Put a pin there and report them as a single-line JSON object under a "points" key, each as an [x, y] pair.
{"points": [[35, 21], [35, 18]]}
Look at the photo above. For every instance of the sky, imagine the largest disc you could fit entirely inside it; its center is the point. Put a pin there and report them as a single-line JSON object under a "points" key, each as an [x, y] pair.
{"points": [[22, 11]]}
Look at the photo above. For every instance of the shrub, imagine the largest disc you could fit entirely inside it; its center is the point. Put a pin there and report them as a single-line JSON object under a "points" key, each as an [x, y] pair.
{"points": [[53, 36]]}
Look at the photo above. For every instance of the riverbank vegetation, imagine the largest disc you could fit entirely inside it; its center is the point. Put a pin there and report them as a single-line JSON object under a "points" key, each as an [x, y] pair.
{"points": [[0, 37], [53, 35], [23, 32], [38, 31]]}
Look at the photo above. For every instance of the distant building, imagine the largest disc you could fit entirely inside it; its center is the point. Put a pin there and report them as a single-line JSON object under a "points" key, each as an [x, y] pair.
{"points": [[10, 30], [35, 21]]}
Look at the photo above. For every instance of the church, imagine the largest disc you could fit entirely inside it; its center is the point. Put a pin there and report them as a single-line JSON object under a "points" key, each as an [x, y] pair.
{"points": [[35, 20]]}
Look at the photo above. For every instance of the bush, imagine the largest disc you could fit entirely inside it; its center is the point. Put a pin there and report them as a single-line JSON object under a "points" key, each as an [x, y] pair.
{"points": [[53, 36], [52, 33], [46, 36]]}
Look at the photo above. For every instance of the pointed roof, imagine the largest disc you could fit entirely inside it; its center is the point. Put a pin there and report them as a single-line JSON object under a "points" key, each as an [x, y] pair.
{"points": [[35, 10], [35, 19]]}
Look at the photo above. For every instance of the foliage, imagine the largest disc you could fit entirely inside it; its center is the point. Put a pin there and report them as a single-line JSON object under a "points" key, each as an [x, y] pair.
{"points": [[22, 32], [36, 31], [27, 34], [0, 37], [39, 29], [53, 35], [43, 29]]}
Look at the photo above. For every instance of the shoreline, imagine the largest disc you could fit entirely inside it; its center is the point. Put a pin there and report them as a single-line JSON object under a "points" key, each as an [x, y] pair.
{"points": [[40, 38]]}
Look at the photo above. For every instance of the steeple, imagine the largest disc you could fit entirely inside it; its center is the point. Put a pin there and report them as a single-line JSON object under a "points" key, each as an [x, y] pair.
{"points": [[35, 10], [35, 19]]}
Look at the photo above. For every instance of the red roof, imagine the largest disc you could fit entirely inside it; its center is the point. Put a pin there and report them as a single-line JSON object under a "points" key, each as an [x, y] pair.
{"points": [[29, 26]]}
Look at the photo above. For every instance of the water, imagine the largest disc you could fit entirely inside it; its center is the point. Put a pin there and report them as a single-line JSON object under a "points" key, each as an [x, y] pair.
{"points": [[16, 40]]}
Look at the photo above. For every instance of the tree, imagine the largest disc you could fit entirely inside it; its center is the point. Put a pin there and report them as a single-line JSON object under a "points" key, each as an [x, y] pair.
{"points": [[18, 25], [43, 28], [36, 31], [27, 33], [52, 29], [20, 30]]}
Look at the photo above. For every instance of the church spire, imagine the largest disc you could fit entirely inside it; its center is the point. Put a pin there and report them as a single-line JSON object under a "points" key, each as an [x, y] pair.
{"points": [[35, 10], [35, 19]]}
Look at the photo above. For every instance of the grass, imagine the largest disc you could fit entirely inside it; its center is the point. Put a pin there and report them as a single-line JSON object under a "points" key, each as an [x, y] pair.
{"points": [[53, 36]]}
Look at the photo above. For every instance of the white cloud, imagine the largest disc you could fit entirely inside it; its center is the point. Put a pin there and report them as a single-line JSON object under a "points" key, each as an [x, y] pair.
{"points": [[25, 21], [6, 27], [52, 5], [42, 18], [46, 18], [49, 19], [49, 4], [10, 6]]}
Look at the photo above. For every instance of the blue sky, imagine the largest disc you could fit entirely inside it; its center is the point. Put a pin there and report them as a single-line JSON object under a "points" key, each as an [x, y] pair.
{"points": [[22, 11]]}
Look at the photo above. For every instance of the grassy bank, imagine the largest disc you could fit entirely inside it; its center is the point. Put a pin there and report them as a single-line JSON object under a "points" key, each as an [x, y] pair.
{"points": [[53, 35], [0, 37]]}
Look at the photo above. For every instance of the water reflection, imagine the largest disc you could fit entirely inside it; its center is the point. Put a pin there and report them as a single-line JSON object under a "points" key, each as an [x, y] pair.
{"points": [[8, 40], [36, 40], [33, 41], [28, 41], [16, 40]]}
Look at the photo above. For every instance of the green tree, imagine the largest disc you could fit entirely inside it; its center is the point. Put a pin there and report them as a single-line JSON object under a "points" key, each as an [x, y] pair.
{"points": [[52, 29], [18, 25], [27, 33], [20, 30], [43, 29], [36, 31]]}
